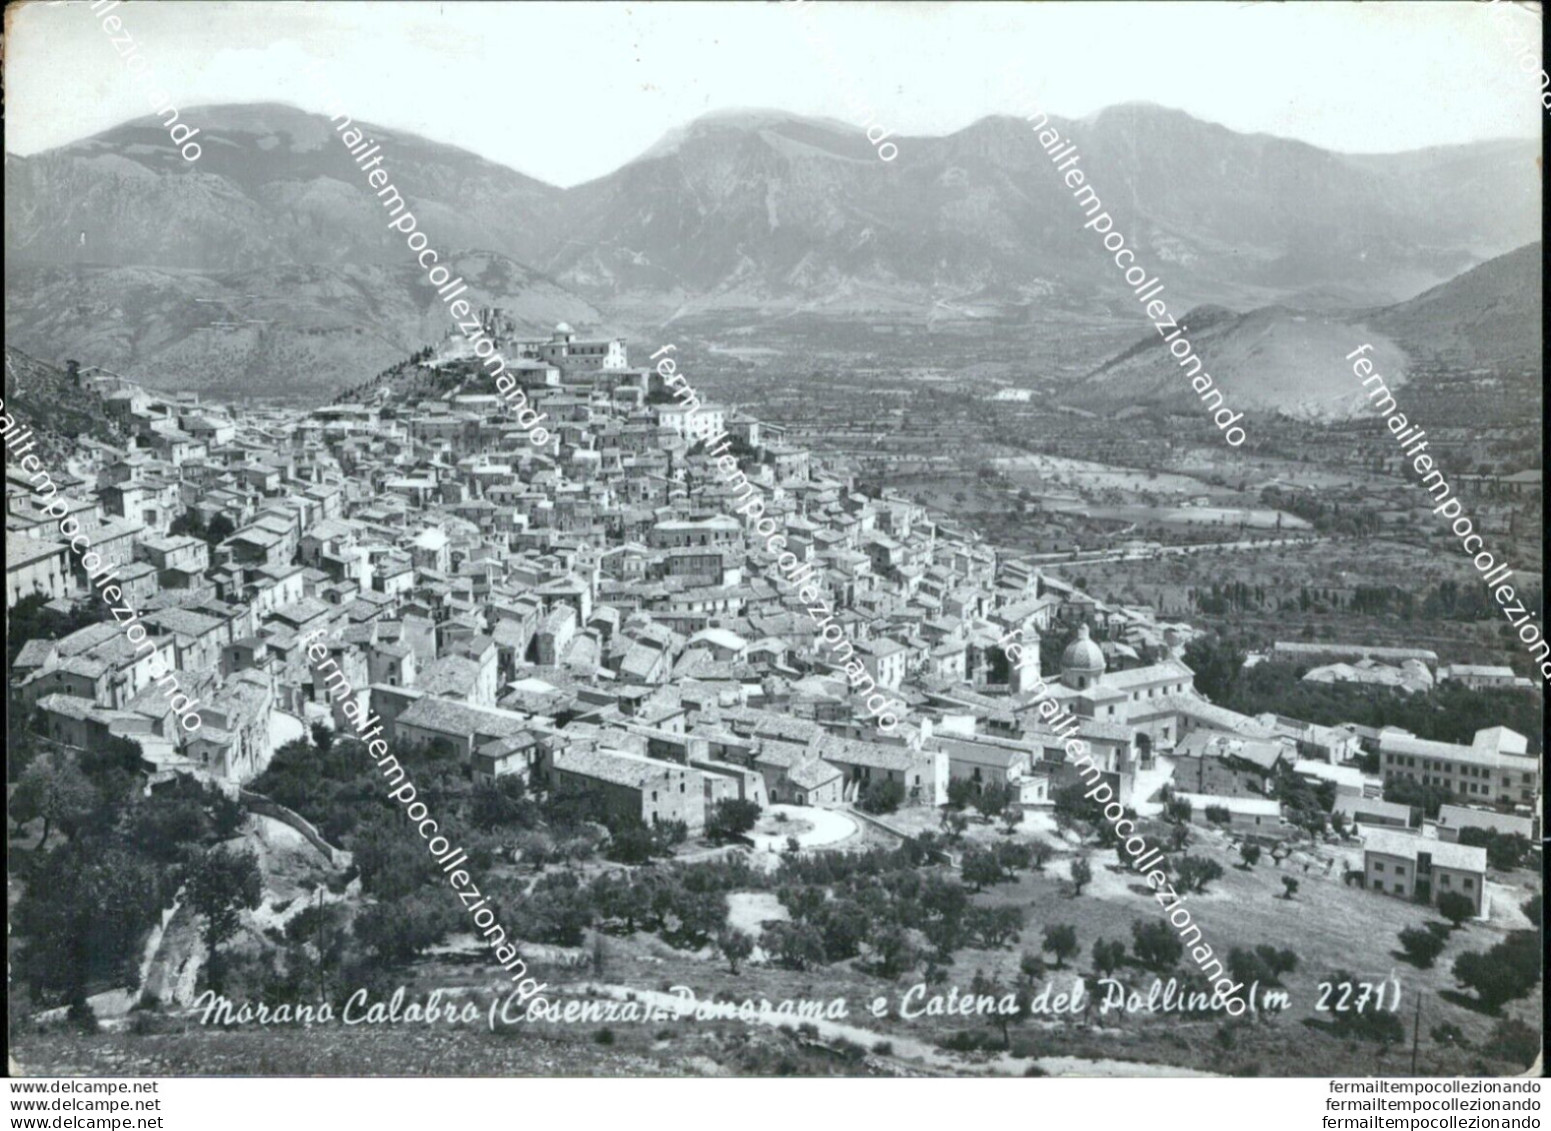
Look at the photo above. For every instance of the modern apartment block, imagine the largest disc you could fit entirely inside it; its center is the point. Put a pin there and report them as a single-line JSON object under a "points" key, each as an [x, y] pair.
{"points": [[1494, 768]]}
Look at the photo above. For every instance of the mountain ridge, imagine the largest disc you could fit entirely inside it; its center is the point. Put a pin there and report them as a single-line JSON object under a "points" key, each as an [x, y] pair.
{"points": [[753, 213]]}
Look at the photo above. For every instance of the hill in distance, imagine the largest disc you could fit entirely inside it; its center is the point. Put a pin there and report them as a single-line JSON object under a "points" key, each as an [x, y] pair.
{"points": [[1489, 317], [1294, 362], [1268, 360], [298, 331]]}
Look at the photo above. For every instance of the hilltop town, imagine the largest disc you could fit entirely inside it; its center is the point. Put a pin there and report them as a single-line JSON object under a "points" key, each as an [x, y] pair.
{"points": [[597, 672]]}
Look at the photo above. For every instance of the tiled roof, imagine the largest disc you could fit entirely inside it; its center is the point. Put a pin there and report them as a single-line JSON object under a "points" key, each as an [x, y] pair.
{"points": [[22, 551], [812, 774], [448, 716], [613, 766], [1421, 747], [1464, 857], [852, 753], [1460, 817]]}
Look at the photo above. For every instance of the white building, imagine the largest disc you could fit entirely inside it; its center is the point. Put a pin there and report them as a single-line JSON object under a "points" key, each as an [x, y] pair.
{"points": [[693, 423], [1419, 868]]}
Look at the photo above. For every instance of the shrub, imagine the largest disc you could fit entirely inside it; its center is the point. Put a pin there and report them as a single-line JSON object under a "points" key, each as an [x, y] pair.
{"points": [[883, 1048], [152, 1024], [1072, 805], [845, 924], [1504, 851], [1195, 872], [637, 842], [796, 946], [849, 1049], [995, 927], [1421, 945], [1013, 855], [1246, 966], [961, 793], [730, 818], [735, 946], [1456, 908], [953, 825], [1279, 962], [881, 797], [604, 1036], [1155, 944], [891, 951], [1513, 1041], [1108, 954], [980, 867], [1061, 941], [82, 1016], [1381, 1026], [1428, 798], [971, 1040], [993, 798], [1449, 1034], [1509, 970]]}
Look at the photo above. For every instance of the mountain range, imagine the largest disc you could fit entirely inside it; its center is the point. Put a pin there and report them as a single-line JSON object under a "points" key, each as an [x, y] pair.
{"points": [[267, 266]]}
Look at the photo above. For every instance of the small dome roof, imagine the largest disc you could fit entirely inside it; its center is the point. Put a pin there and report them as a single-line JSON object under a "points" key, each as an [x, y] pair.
{"points": [[564, 328], [1082, 654]]}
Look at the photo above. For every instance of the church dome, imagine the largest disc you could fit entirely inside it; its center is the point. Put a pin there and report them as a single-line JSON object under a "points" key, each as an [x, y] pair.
{"points": [[1082, 654]]}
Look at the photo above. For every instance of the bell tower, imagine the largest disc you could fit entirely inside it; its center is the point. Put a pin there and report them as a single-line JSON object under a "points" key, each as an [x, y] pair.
{"points": [[1025, 673]]}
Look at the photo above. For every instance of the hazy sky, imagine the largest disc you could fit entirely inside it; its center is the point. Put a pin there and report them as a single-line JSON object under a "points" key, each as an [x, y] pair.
{"points": [[570, 91]]}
